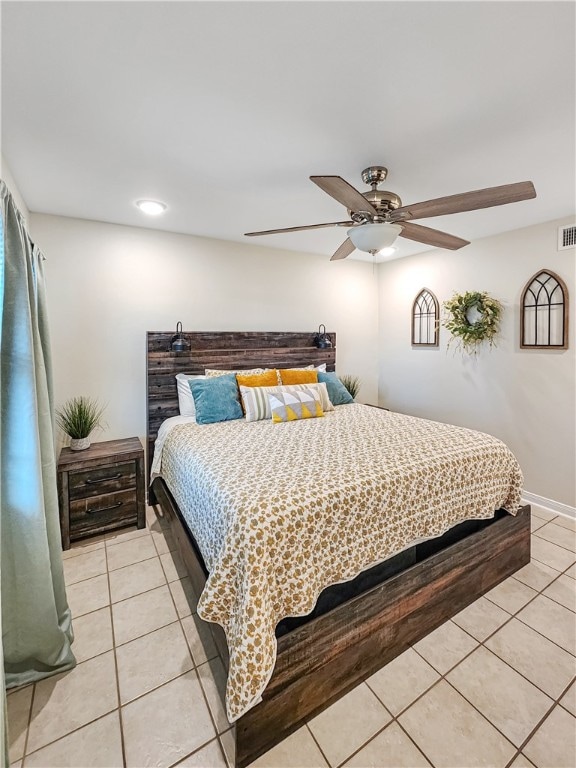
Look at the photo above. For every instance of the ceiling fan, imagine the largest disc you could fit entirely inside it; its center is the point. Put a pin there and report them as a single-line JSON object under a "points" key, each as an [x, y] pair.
{"points": [[377, 217]]}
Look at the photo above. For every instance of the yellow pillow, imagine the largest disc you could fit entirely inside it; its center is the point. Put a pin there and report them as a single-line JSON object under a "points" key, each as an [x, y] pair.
{"points": [[266, 379], [295, 376]]}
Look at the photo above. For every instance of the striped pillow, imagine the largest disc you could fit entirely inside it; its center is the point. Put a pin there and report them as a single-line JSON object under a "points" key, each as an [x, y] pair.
{"points": [[257, 404]]}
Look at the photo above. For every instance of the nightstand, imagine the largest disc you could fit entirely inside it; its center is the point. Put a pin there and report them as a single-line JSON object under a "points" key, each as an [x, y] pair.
{"points": [[101, 488]]}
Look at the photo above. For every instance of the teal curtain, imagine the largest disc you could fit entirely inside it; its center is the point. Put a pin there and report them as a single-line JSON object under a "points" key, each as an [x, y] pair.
{"points": [[36, 622]]}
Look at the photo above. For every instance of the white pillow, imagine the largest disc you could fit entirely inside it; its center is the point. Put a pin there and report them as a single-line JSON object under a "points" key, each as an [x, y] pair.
{"points": [[185, 397]]}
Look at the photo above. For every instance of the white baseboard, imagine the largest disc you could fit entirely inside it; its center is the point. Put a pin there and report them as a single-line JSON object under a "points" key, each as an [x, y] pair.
{"points": [[553, 506]]}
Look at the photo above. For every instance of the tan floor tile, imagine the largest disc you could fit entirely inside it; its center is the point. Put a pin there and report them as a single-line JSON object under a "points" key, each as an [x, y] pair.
{"points": [[542, 513], [84, 566], [129, 552], [522, 761], [18, 704], [551, 554], [166, 725], [184, 596], [69, 700], [511, 595], [163, 541], [445, 647], [554, 743], [151, 660], [135, 579], [558, 534], [401, 681], [92, 634], [571, 571], [568, 701], [213, 680], [97, 745], [209, 756], [89, 595], [536, 575], [156, 520], [390, 749], [566, 522], [504, 697], [142, 614], [299, 750], [536, 522], [563, 591], [540, 660], [346, 725], [125, 534], [452, 734], [83, 546], [228, 744], [551, 620], [481, 619], [173, 565], [199, 638]]}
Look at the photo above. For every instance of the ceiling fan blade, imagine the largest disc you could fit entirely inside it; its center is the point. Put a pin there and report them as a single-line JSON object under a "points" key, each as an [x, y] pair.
{"points": [[345, 193], [468, 201], [344, 250], [297, 229], [431, 236]]}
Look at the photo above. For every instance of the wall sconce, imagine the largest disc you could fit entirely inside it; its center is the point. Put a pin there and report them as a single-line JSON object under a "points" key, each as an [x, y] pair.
{"points": [[178, 343], [322, 340]]}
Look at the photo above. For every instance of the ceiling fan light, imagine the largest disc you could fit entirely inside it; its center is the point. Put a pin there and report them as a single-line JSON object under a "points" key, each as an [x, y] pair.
{"points": [[388, 251], [374, 237]]}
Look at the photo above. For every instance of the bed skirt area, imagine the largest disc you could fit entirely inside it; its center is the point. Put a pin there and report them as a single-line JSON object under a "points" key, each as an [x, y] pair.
{"points": [[360, 626]]}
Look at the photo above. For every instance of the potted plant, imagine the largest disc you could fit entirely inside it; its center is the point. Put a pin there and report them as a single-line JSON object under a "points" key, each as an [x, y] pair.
{"points": [[351, 383], [78, 417]]}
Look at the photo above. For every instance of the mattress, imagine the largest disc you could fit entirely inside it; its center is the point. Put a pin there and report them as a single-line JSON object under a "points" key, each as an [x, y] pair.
{"points": [[280, 511]]}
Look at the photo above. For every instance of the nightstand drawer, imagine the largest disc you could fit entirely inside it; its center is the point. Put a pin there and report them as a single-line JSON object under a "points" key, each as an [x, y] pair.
{"points": [[106, 479], [115, 509]]}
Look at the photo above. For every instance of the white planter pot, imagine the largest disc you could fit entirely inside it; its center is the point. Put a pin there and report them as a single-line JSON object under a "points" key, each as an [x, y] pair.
{"points": [[79, 444]]}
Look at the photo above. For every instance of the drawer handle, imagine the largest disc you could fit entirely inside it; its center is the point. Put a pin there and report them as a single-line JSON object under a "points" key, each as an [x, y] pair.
{"points": [[102, 479], [105, 509]]}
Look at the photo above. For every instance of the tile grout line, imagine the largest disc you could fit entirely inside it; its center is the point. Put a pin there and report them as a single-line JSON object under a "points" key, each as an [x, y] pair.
{"points": [[28, 725], [119, 700], [194, 664]]}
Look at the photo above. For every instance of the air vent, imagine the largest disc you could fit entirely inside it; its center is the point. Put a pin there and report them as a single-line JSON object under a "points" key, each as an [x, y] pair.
{"points": [[566, 237]]}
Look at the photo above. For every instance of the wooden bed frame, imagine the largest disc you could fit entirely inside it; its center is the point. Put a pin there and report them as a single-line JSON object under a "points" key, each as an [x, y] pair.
{"points": [[361, 626]]}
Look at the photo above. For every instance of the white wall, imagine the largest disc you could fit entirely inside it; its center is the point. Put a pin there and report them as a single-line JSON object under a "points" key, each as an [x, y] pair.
{"points": [[6, 176], [108, 285], [524, 397]]}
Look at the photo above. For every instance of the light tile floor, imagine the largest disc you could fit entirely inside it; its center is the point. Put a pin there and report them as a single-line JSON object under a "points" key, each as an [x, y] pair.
{"points": [[493, 687]]}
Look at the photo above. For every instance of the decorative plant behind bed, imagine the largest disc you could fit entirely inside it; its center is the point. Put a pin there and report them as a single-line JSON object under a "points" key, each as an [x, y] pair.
{"points": [[470, 335]]}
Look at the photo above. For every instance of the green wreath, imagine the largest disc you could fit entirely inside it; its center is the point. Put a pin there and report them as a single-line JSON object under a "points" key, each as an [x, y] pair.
{"points": [[470, 335]]}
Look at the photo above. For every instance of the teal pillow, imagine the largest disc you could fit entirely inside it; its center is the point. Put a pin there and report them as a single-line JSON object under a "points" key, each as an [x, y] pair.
{"points": [[337, 392], [216, 399]]}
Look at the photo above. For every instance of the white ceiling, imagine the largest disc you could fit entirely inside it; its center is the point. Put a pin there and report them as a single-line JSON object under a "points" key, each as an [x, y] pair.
{"points": [[223, 109]]}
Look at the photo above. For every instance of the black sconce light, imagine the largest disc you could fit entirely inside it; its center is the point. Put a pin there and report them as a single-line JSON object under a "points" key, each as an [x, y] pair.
{"points": [[322, 340], [178, 342]]}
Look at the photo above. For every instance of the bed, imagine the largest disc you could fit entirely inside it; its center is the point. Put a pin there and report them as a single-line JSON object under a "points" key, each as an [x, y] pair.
{"points": [[366, 615]]}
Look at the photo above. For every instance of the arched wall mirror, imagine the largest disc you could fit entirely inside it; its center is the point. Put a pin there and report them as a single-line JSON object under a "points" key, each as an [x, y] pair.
{"points": [[544, 312], [425, 318]]}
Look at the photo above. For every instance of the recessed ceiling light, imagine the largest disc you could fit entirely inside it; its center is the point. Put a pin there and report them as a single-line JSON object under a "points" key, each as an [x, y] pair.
{"points": [[387, 251], [151, 207]]}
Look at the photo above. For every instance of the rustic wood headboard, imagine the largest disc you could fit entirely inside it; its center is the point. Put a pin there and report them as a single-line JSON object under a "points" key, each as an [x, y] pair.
{"points": [[219, 349]]}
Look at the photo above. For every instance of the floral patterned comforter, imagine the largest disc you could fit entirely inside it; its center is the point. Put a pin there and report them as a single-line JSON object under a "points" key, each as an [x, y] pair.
{"points": [[281, 511]]}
